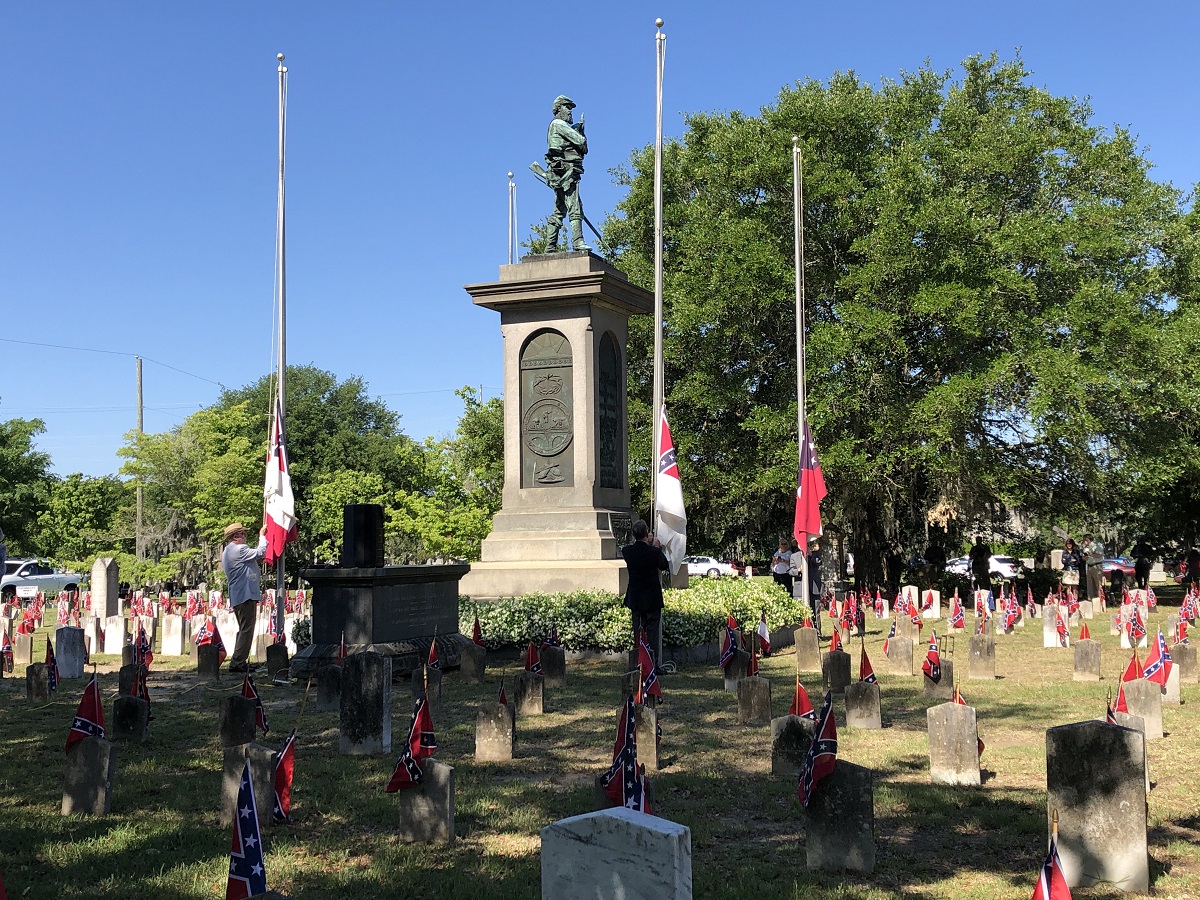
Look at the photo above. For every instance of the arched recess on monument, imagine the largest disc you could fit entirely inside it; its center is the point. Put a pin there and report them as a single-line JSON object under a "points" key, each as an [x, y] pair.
{"points": [[547, 411], [610, 396]]}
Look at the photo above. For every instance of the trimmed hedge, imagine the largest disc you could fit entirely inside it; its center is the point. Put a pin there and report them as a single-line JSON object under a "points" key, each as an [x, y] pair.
{"points": [[599, 621]]}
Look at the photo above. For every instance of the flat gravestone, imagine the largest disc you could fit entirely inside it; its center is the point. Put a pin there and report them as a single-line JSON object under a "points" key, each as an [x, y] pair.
{"points": [[735, 670], [176, 637], [900, 656], [840, 821], [473, 662], [754, 701], [262, 774], [329, 689], [22, 650], [106, 587], [1095, 781], [835, 671], [423, 676], [37, 683], [237, 717], [1184, 657], [554, 666], [1087, 660], [790, 739], [616, 853], [116, 635], [943, 688], [808, 650], [529, 693], [494, 737], [130, 719], [862, 705], [208, 661], [1144, 698], [953, 744], [427, 808], [981, 658], [278, 661], [1170, 693], [365, 711], [645, 720], [69, 651], [87, 786]]}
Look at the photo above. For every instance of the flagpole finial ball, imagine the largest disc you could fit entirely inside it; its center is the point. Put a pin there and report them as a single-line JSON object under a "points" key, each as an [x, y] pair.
{"points": [[658, 23], [795, 140], [279, 56], [510, 175]]}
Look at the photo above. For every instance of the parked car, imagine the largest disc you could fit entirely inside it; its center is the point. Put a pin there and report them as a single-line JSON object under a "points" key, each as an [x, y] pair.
{"points": [[1006, 567], [1122, 564], [708, 567], [26, 577]]}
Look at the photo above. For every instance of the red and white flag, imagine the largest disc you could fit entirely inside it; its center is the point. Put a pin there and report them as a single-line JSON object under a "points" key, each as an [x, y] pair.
{"points": [[1051, 882], [277, 493], [1158, 662], [764, 635], [670, 525], [285, 768], [801, 705], [865, 672], [810, 491], [89, 717]]}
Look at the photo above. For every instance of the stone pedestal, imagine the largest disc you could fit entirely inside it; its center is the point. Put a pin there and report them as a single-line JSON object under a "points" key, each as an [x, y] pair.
{"points": [[790, 740], [427, 809], [840, 821], [808, 650], [943, 688], [329, 689], [69, 651], [981, 660], [1144, 698], [900, 656], [494, 733], [105, 581], [616, 853], [835, 671], [554, 666], [1095, 780], [862, 706], [1087, 661], [473, 662], [262, 774], [365, 712], [953, 744], [130, 719], [566, 507], [87, 787], [528, 693], [754, 701]]}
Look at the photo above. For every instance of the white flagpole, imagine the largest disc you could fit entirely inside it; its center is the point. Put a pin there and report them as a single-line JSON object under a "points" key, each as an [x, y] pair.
{"points": [[801, 390], [512, 220], [281, 262], [660, 42]]}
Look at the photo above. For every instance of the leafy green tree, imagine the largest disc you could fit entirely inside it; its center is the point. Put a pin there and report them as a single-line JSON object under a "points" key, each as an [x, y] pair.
{"points": [[331, 493], [82, 518], [25, 482], [986, 285]]}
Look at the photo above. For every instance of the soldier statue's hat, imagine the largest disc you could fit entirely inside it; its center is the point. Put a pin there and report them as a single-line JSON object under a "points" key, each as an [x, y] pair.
{"points": [[563, 100]]}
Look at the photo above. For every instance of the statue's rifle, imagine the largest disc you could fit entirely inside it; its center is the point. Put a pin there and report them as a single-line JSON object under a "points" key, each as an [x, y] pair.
{"points": [[544, 177]]}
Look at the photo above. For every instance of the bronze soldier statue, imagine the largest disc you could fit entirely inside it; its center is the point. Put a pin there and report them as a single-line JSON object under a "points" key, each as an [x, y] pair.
{"points": [[566, 147]]}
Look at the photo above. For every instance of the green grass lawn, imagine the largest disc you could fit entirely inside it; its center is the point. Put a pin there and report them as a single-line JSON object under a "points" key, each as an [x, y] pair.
{"points": [[162, 839]]}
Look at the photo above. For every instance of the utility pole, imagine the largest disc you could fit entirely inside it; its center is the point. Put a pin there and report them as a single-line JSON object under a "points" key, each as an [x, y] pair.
{"points": [[140, 549]]}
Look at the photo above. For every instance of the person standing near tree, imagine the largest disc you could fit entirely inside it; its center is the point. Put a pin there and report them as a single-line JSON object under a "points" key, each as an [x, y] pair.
{"points": [[240, 564], [1072, 564], [1143, 558], [981, 569], [1093, 562], [781, 566], [645, 559]]}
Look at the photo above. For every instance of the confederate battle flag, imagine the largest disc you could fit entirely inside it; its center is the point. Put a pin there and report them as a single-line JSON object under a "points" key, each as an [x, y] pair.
{"points": [[822, 752], [810, 491], [277, 492]]}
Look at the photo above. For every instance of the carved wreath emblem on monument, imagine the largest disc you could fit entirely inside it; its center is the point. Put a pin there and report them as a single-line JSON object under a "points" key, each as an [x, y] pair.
{"points": [[547, 427]]}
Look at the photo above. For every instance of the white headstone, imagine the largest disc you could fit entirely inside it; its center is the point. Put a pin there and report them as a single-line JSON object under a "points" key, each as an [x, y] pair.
{"points": [[116, 635]]}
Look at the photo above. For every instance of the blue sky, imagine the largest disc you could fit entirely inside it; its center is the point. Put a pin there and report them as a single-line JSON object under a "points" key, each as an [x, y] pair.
{"points": [[137, 168]]}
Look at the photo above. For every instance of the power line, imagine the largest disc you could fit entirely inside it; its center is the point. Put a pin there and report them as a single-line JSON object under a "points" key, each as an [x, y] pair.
{"points": [[115, 353]]}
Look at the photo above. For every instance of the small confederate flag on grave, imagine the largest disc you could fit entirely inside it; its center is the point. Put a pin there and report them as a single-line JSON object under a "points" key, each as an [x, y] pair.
{"points": [[89, 717], [801, 705], [728, 642], [625, 783], [1064, 634], [865, 672], [648, 671], [822, 752], [835, 641], [764, 635], [52, 665], [142, 654], [502, 698], [1121, 706], [285, 767], [552, 637], [1084, 633], [1158, 662], [6, 651], [958, 698], [1134, 669], [421, 744], [933, 660], [957, 618], [251, 692], [208, 634], [533, 662], [1051, 882], [477, 633], [887, 641], [433, 661], [247, 873]]}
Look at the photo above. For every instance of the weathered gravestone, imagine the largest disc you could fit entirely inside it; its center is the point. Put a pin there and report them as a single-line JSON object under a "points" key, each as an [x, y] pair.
{"points": [[69, 651], [329, 689], [427, 808], [1087, 660], [1184, 657], [900, 656], [835, 671], [365, 712], [790, 739], [1170, 694], [754, 702], [1138, 724], [116, 635], [237, 720], [262, 775], [808, 650], [473, 662], [943, 688], [554, 666], [130, 719], [22, 650], [981, 659], [128, 655], [1095, 781], [37, 683], [127, 679], [494, 733], [840, 821], [862, 705], [735, 670], [259, 647], [425, 676], [616, 853], [529, 693], [1144, 698], [208, 660], [1086, 609], [1050, 625], [106, 588], [87, 787], [953, 744], [176, 636], [278, 661]]}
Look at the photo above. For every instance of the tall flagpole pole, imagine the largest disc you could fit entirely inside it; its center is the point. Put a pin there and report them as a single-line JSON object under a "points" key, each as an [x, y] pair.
{"points": [[281, 257], [660, 42], [801, 389]]}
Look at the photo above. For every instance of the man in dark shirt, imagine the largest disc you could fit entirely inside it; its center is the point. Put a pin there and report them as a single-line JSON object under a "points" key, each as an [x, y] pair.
{"points": [[1143, 558], [981, 567], [645, 560]]}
